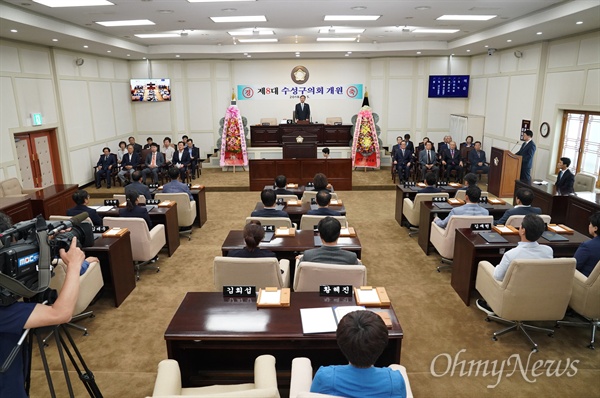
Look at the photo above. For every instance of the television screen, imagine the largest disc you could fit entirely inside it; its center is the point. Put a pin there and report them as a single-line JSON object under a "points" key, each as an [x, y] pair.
{"points": [[150, 90], [449, 86]]}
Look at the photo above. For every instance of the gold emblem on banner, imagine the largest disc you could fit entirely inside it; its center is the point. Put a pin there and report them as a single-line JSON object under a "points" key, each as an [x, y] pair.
{"points": [[299, 74]]}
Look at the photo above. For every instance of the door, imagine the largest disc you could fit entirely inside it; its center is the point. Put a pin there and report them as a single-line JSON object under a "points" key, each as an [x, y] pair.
{"points": [[39, 162]]}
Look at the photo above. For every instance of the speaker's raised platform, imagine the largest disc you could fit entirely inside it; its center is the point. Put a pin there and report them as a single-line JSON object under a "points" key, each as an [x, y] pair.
{"points": [[301, 171]]}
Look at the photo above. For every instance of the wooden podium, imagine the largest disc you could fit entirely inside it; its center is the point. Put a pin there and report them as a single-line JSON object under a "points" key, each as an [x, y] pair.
{"points": [[505, 168], [307, 149]]}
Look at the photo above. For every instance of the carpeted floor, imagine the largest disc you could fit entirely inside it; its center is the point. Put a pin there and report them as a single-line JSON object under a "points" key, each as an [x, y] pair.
{"points": [[125, 344]]}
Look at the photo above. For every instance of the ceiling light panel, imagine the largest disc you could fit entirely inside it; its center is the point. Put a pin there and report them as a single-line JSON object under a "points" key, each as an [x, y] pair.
{"points": [[252, 18], [257, 40], [132, 22], [336, 38], [341, 31], [157, 35], [351, 17], [466, 17], [73, 3], [251, 32], [424, 30]]}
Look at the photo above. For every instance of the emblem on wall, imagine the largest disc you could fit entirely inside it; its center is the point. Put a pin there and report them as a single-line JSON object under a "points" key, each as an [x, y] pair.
{"points": [[299, 74]]}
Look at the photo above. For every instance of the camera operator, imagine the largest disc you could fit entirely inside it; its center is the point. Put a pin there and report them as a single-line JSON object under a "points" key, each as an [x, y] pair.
{"points": [[18, 316]]}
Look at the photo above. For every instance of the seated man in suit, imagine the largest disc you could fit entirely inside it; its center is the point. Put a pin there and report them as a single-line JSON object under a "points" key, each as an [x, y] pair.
{"points": [[128, 164], [428, 160], [396, 146], [253, 235], [588, 253], [281, 183], [524, 198], [566, 179], [409, 144], [528, 248], [323, 199], [445, 144], [136, 147], [329, 253], [268, 197], [104, 168], [477, 159], [182, 160], [154, 161], [424, 143], [149, 142], [194, 155], [176, 186], [470, 181], [137, 186], [81, 199], [402, 161], [132, 209], [451, 159], [362, 336], [430, 180], [470, 208]]}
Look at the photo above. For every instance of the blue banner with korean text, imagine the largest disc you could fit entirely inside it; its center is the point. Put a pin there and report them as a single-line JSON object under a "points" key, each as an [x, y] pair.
{"points": [[262, 92]]}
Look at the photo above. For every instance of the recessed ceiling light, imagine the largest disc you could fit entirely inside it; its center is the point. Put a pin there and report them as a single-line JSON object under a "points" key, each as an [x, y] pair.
{"points": [[422, 8], [129, 55], [297, 55], [427, 30], [452, 55], [466, 17], [14, 30], [336, 39], [177, 55], [468, 51], [297, 52], [143, 57], [341, 31], [351, 17], [251, 32], [157, 35], [252, 18], [249, 56], [85, 46], [165, 11], [54, 39], [578, 22], [132, 22], [509, 41], [486, 46], [257, 40], [108, 51], [73, 3], [349, 52], [418, 52], [346, 55], [538, 33], [358, 8]]}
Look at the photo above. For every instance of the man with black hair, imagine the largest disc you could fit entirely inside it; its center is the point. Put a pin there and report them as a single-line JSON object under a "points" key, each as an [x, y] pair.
{"points": [[194, 152], [81, 199], [154, 161], [478, 160], [181, 160], [523, 198], [362, 336], [268, 199], [409, 144], [527, 151], [430, 180], [176, 186], [402, 160], [104, 168], [323, 199], [137, 148], [326, 153], [428, 159], [137, 186], [470, 208], [149, 142], [329, 253], [281, 183], [566, 179], [470, 180], [588, 253]]}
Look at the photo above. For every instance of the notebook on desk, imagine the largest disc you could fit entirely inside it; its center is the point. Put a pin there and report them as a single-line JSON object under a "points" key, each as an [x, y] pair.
{"points": [[279, 207], [268, 237], [492, 237], [443, 205], [554, 237], [150, 208], [318, 242]]}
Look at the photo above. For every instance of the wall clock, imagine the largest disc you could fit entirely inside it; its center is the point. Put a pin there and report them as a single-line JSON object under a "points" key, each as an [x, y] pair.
{"points": [[545, 130]]}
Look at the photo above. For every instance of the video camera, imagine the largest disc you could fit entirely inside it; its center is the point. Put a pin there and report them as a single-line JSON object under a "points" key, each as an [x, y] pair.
{"points": [[27, 250]]}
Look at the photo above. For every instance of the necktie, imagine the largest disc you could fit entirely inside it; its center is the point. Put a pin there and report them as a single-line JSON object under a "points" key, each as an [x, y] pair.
{"points": [[560, 173], [452, 153], [153, 160], [105, 158], [478, 155], [403, 153], [302, 106], [428, 156]]}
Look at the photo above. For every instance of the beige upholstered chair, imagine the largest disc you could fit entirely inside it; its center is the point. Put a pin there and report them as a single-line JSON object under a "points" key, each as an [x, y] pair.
{"points": [[12, 188], [584, 183], [122, 199], [309, 221], [145, 244], [412, 210], [90, 284], [259, 272], [333, 120], [462, 194], [186, 210], [585, 300], [309, 276], [308, 195], [521, 297], [287, 197], [302, 374], [168, 382], [517, 220], [271, 120], [67, 218], [443, 238], [276, 221]]}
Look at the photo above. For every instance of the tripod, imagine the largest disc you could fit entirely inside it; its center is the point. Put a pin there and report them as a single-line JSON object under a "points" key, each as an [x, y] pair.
{"points": [[86, 376]]}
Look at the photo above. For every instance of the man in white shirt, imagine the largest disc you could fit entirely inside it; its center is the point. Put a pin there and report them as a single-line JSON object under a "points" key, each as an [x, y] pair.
{"points": [[470, 208], [167, 150]]}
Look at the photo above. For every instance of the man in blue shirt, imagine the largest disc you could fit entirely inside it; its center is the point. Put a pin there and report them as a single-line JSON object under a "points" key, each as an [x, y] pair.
{"points": [[175, 185], [362, 336], [470, 208]]}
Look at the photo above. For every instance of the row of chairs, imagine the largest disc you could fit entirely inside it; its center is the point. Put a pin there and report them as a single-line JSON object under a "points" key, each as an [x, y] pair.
{"points": [[307, 222], [307, 196]]}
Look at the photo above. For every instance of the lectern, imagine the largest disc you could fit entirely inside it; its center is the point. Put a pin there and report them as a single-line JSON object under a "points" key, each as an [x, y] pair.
{"points": [[298, 145], [505, 168]]}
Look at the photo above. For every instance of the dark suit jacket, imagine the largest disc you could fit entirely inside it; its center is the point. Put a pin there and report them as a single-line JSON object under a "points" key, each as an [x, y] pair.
{"points": [[442, 146], [132, 160], [269, 213], [422, 147], [73, 211], [185, 158], [517, 211], [283, 191], [423, 157], [303, 114], [139, 212], [429, 190], [245, 253], [330, 255], [474, 159], [527, 151], [402, 160], [140, 188], [160, 159], [451, 160], [588, 255], [111, 160], [410, 145], [323, 211], [137, 148], [195, 152], [565, 184]]}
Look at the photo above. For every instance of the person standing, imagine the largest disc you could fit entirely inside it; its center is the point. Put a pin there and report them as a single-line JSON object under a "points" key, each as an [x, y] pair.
{"points": [[527, 151], [302, 110], [565, 179]]}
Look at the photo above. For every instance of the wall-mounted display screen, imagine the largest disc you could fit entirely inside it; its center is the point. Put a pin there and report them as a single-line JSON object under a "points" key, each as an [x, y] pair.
{"points": [[150, 90], [449, 86]]}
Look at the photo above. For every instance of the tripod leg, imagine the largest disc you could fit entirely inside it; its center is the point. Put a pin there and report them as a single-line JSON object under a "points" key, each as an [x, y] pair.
{"points": [[45, 362], [59, 339]]}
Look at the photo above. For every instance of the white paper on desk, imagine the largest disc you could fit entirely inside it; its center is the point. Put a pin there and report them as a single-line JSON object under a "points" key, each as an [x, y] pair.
{"points": [[94, 207], [557, 228], [318, 320], [503, 229], [341, 311], [368, 296], [102, 209], [270, 297]]}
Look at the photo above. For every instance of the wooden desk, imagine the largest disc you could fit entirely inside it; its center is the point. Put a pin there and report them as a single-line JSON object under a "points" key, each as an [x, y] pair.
{"points": [[301, 171], [116, 263], [410, 192], [215, 339], [580, 206], [327, 135], [53, 200], [546, 198], [296, 212], [427, 215], [199, 196], [17, 208], [470, 249]]}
